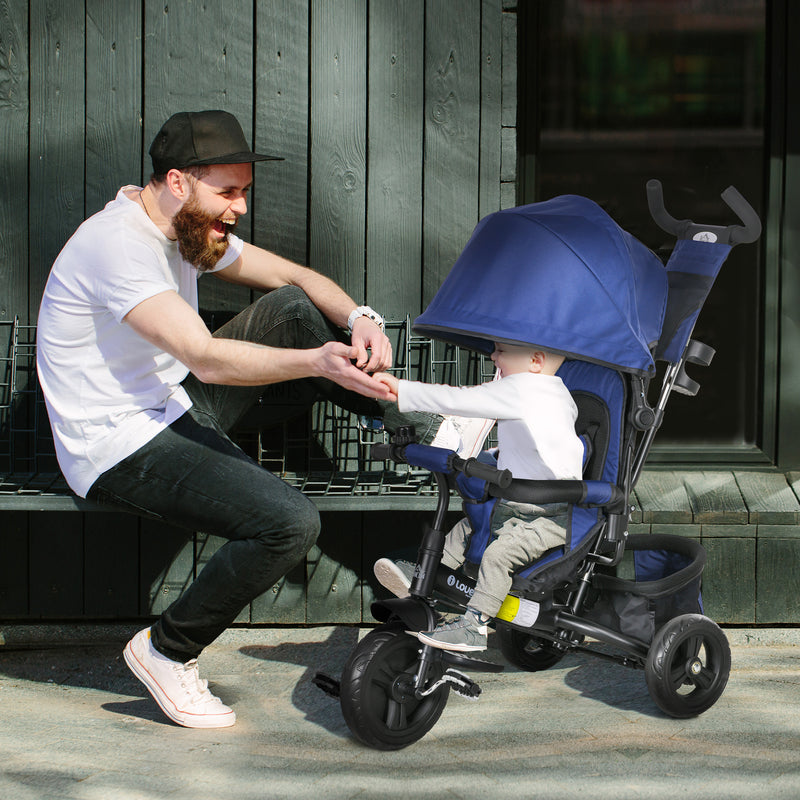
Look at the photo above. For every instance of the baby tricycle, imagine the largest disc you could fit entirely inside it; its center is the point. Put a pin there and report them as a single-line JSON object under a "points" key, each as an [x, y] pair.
{"points": [[612, 308]]}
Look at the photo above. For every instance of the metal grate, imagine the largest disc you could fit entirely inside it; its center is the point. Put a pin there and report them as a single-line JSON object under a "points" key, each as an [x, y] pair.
{"points": [[323, 453], [26, 443]]}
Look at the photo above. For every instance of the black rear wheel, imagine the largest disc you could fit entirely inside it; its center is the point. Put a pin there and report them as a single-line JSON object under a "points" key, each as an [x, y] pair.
{"points": [[526, 651], [688, 665], [378, 695]]}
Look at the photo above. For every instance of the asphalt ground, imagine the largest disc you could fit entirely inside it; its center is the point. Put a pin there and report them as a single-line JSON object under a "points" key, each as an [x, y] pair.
{"points": [[75, 723]]}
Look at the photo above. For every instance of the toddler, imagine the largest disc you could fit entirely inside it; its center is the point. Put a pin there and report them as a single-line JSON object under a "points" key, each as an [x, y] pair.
{"points": [[535, 416]]}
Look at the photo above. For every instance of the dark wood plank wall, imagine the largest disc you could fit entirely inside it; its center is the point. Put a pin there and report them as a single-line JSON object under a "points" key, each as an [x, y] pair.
{"points": [[389, 113], [396, 121], [14, 104], [395, 155]]}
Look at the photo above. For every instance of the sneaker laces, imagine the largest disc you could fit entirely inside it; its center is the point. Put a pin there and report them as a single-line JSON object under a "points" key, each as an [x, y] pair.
{"points": [[462, 622], [195, 687]]}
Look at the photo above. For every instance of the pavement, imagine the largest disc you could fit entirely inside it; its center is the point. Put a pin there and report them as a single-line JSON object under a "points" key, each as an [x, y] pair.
{"points": [[74, 723]]}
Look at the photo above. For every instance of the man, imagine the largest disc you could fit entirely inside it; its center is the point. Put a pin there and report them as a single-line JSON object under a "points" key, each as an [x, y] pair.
{"points": [[141, 396]]}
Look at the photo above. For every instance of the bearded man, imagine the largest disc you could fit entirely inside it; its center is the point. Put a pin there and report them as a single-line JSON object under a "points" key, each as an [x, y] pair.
{"points": [[141, 396]]}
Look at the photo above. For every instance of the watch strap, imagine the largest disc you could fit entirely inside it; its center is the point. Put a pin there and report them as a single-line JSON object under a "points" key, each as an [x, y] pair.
{"points": [[364, 311]]}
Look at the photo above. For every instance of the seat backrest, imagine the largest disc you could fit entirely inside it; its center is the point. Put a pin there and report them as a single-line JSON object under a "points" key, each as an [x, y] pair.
{"points": [[600, 394]]}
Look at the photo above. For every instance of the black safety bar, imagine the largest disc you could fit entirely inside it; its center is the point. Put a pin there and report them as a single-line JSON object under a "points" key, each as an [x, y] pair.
{"points": [[502, 484], [540, 492], [471, 467]]}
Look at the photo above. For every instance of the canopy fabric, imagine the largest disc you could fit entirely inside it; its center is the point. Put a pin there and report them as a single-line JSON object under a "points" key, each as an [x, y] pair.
{"points": [[561, 275]]}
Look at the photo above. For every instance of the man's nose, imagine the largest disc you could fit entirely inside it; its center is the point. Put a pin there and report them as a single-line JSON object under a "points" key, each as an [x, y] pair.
{"points": [[239, 206]]}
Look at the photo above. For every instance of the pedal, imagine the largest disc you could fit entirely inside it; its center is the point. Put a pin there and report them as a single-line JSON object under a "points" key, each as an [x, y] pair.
{"points": [[329, 685], [462, 685]]}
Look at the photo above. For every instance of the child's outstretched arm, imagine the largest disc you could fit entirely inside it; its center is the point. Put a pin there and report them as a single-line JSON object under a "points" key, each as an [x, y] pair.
{"points": [[390, 382]]}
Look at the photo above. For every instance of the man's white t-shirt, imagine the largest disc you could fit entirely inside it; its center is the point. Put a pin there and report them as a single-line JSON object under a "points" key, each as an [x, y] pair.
{"points": [[108, 391], [535, 416]]}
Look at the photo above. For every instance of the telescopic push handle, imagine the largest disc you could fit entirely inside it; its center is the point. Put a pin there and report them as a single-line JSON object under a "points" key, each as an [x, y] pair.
{"points": [[383, 451], [686, 229]]}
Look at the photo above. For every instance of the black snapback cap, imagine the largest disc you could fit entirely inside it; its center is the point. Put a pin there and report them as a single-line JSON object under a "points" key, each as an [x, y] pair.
{"points": [[197, 138]]}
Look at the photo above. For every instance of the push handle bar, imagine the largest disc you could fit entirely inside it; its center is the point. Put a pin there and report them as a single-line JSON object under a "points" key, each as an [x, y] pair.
{"points": [[686, 229], [383, 451]]}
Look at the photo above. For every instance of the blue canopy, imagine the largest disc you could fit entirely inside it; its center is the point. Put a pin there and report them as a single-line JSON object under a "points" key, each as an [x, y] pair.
{"points": [[561, 275]]}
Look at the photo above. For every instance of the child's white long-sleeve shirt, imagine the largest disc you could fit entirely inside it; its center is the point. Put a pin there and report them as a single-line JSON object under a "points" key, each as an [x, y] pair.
{"points": [[535, 416]]}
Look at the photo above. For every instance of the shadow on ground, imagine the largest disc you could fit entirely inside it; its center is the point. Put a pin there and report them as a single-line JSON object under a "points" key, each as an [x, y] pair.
{"points": [[328, 657]]}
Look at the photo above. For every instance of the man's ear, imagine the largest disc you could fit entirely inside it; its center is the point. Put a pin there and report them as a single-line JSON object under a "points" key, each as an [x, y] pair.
{"points": [[178, 184]]}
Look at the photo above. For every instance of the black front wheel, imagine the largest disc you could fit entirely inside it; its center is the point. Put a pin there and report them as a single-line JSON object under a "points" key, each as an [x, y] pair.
{"points": [[688, 665], [377, 691]]}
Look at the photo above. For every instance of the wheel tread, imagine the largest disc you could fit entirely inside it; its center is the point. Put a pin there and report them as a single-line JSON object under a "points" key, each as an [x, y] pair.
{"points": [[392, 728], [677, 643]]}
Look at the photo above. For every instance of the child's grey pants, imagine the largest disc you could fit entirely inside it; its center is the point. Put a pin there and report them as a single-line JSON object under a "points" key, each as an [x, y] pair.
{"points": [[524, 531]]}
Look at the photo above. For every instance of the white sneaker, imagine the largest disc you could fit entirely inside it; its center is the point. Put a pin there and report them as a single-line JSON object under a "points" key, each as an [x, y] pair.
{"points": [[177, 688], [394, 575]]}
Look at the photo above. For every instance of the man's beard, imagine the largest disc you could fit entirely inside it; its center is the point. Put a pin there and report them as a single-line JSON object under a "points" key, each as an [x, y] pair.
{"points": [[192, 226]]}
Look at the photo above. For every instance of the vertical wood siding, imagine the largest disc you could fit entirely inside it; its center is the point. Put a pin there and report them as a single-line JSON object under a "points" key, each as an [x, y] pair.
{"points": [[392, 117], [338, 141], [14, 114], [396, 96], [280, 198]]}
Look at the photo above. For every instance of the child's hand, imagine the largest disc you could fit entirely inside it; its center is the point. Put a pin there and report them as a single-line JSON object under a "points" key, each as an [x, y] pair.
{"points": [[390, 382]]}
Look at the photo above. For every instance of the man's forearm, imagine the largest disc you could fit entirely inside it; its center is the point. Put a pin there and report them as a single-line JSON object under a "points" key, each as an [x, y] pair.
{"points": [[329, 298], [234, 362], [261, 269]]}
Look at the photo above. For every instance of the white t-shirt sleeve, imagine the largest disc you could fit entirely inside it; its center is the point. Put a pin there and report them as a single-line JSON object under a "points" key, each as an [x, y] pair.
{"points": [[494, 400], [464, 401], [136, 277]]}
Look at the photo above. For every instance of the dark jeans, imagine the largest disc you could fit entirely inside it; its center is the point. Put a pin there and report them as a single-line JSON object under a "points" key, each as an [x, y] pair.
{"points": [[193, 476]]}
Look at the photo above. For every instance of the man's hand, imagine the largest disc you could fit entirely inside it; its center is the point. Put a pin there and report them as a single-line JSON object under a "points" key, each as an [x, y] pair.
{"points": [[334, 361], [367, 335], [390, 382]]}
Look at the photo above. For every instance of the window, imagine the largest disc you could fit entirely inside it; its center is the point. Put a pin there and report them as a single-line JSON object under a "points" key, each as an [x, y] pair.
{"points": [[615, 92]]}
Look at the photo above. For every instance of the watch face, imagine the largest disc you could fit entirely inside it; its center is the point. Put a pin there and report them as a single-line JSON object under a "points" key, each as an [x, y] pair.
{"points": [[365, 311]]}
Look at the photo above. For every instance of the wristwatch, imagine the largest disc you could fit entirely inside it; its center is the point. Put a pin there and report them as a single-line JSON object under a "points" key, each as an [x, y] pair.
{"points": [[364, 311]]}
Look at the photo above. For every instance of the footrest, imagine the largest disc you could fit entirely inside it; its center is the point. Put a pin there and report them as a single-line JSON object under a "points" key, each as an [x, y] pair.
{"points": [[469, 663]]}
